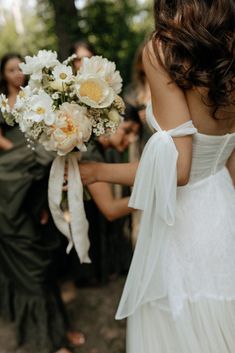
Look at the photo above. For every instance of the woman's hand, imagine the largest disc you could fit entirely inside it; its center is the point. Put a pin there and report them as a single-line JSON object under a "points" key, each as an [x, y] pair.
{"points": [[89, 172], [114, 173], [5, 144]]}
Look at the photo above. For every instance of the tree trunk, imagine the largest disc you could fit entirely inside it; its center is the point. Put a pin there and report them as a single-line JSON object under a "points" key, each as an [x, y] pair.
{"points": [[66, 25]]}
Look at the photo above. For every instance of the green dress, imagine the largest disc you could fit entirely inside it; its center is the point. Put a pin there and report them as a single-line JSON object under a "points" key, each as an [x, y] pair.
{"points": [[28, 296]]}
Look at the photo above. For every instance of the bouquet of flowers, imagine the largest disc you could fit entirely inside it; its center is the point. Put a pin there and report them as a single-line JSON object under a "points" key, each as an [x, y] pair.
{"points": [[64, 111]]}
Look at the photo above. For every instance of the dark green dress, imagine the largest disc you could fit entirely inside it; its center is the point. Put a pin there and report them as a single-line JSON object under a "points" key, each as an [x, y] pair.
{"points": [[28, 296]]}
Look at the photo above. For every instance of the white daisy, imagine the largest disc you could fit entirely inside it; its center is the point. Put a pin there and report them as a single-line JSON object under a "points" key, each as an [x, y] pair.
{"points": [[62, 73]]}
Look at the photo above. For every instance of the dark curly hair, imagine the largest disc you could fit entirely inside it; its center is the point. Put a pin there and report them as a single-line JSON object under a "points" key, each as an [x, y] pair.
{"points": [[197, 38]]}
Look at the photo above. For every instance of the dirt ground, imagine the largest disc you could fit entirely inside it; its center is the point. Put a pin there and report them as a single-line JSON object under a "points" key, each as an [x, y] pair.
{"points": [[92, 312]]}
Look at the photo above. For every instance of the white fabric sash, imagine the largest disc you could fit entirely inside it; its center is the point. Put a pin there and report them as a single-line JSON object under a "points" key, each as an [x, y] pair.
{"points": [[77, 230], [154, 193]]}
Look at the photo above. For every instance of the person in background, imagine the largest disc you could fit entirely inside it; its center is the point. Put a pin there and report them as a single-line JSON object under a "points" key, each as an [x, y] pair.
{"points": [[136, 96], [82, 49], [29, 296]]}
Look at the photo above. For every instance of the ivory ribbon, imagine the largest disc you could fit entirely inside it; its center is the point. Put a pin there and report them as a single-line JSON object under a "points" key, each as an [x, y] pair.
{"points": [[77, 230]]}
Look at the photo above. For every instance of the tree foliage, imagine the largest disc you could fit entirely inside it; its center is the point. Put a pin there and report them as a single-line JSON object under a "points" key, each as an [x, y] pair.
{"points": [[115, 28], [65, 24], [38, 32]]}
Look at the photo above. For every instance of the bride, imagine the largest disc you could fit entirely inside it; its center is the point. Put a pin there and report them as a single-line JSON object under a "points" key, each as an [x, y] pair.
{"points": [[179, 296]]}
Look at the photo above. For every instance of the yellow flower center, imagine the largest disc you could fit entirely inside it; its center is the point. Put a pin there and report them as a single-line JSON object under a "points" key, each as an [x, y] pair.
{"points": [[40, 111], [21, 94], [70, 128], [63, 76], [4, 104], [91, 90]]}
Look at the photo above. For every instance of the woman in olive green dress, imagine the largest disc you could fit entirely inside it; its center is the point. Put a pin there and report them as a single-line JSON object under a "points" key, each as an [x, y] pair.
{"points": [[28, 296]]}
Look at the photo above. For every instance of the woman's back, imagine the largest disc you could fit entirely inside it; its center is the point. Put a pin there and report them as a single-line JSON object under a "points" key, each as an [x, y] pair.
{"points": [[202, 115]]}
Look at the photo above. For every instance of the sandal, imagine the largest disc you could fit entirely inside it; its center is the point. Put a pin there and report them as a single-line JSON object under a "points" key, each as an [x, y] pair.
{"points": [[75, 338]]}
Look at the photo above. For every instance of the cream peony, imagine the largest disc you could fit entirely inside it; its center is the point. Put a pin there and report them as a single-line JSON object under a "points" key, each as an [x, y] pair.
{"points": [[97, 65], [94, 92], [71, 129]]}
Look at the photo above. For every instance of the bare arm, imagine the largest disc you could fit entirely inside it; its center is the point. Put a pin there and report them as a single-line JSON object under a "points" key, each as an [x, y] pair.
{"points": [[123, 173], [111, 207], [231, 166], [170, 109]]}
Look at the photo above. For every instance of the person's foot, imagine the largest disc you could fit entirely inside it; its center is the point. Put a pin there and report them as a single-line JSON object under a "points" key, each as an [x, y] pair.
{"points": [[63, 350], [68, 291], [76, 338]]}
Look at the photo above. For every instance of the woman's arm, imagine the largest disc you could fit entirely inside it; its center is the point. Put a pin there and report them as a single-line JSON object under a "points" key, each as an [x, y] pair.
{"points": [[170, 108], [231, 166], [115, 173], [110, 207]]}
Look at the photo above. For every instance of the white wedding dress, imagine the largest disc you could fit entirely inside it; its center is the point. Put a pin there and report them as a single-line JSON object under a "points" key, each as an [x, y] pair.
{"points": [[180, 292]]}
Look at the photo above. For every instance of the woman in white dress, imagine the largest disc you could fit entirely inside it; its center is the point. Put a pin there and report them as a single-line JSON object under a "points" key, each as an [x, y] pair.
{"points": [[180, 292]]}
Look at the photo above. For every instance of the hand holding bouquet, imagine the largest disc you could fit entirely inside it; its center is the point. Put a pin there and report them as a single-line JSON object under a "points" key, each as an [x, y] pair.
{"points": [[64, 111]]}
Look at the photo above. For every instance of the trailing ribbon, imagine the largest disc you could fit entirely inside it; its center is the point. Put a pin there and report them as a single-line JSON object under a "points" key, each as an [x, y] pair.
{"points": [[77, 230]]}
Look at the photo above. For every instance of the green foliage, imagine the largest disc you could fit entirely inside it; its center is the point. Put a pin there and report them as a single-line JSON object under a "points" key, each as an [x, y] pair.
{"points": [[38, 33], [116, 29]]}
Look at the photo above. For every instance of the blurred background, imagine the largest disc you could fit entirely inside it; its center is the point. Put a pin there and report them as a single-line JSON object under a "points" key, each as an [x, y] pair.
{"points": [[49, 302], [115, 28]]}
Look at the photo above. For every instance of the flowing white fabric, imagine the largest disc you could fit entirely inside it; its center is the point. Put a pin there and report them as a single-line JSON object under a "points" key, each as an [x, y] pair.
{"points": [[180, 293], [77, 230], [154, 193]]}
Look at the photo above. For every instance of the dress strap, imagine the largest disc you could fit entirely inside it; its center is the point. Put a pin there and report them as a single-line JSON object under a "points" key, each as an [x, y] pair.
{"points": [[156, 178], [184, 129]]}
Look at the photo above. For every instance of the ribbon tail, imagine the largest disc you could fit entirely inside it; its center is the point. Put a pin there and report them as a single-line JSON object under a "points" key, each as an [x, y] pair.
{"points": [[55, 186], [77, 230], [79, 223]]}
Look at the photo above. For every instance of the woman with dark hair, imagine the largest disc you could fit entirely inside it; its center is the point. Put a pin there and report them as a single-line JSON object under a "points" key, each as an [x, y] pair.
{"points": [[28, 295], [180, 292], [83, 49]]}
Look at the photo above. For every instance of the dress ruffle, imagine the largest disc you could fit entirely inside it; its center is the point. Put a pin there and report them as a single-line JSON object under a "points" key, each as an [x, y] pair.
{"points": [[38, 323]]}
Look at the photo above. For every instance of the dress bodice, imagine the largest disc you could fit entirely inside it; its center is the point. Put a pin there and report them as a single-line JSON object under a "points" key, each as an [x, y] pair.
{"points": [[210, 154]]}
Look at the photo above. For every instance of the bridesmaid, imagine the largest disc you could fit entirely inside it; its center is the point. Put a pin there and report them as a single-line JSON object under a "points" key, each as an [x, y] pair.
{"points": [[28, 296], [137, 95]]}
